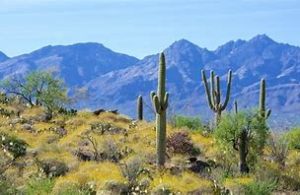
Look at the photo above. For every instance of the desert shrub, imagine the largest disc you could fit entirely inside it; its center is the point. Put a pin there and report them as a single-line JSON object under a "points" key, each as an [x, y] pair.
{"points": [[67, 112], [138, 178], [193, 123], [39, 186], [293, 138], [4, 99], [162, 189], [180, 142], [110, 151], [115, 187], [260, 187], [74, 190], [7, 188], [15, 146], [5, 112], [53, 168], [279, 150]]}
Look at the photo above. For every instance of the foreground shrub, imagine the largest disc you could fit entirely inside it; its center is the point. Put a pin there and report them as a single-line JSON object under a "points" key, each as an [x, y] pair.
{"points": [[180, 142], [7, 189], [260, 187], [53, 168], [279, 150], [15, 146], [39, 186], [293, 138], [138, 177], [192, 123]]}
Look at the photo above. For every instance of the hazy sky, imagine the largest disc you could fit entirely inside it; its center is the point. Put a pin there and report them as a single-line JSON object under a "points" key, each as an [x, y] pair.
{"points": [[142, 27]]}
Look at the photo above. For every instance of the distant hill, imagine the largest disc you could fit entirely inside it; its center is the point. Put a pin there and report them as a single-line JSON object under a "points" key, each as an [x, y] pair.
{"points": [[77, 64], [115, 80]]}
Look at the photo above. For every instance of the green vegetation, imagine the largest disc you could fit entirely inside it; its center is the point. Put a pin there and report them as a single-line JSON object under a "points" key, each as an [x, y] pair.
{"points": [[293, 138], [38, 88], [244, 133], [192, 123], [260, 187]]}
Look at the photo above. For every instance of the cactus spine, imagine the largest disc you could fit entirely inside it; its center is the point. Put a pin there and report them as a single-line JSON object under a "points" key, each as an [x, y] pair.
{"points": [[140, 108], [160, 104], [264, 114], [213, 93]]}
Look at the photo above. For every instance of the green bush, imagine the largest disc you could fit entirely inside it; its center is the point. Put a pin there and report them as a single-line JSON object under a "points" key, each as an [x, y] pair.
{"points": [[260, 187], [293, 138], [15, 146], [39, 186], [193, 123], [7, 189]]}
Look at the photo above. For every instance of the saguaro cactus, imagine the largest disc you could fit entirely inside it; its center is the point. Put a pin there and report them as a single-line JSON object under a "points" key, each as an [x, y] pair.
{"points": [[264, 114], [140, 108], [235, 107], [242, 147], [213, 93], [160, 104]]}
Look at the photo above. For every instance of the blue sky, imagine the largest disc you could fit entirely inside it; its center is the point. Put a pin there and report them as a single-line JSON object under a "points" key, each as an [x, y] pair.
{"points": [[143, 27]]}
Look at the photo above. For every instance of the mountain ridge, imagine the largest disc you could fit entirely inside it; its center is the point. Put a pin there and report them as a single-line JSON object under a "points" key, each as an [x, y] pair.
{"points": [[115, 80]]}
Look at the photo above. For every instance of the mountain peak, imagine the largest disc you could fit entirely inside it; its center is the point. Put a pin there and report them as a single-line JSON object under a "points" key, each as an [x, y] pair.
{"points": [[261, 38], [182, 43], [3, 57]]}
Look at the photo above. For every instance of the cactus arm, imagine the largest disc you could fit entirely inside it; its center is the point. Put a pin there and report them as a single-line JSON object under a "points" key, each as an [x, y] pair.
{"points": [[213, 90], [165, 103], [156, 104], [227, 90], [235, 107], [262, 95], [207, 90], [218, 92], [152, 94], [268, 113]]}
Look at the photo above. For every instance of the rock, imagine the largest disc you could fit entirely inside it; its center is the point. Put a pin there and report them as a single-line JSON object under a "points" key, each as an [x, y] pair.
{"points": [[107, 128], [54, 168], [113, 111], [16, 121], [197, 166], [99, 111], [61, 131], [28, 127], [46, 117], [85, 154]]}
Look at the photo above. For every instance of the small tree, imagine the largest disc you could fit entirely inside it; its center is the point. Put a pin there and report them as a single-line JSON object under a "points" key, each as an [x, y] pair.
{"points": [[38, 88], [243, 132]]}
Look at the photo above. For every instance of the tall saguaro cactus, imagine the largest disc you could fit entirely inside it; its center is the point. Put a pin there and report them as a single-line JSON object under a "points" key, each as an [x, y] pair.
{"points": [[160, 104], [213, 93], [140, 108], [264, 114]]}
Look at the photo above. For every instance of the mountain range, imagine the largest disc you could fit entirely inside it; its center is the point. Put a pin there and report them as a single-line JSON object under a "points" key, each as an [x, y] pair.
{"points": [[114, 80]]}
